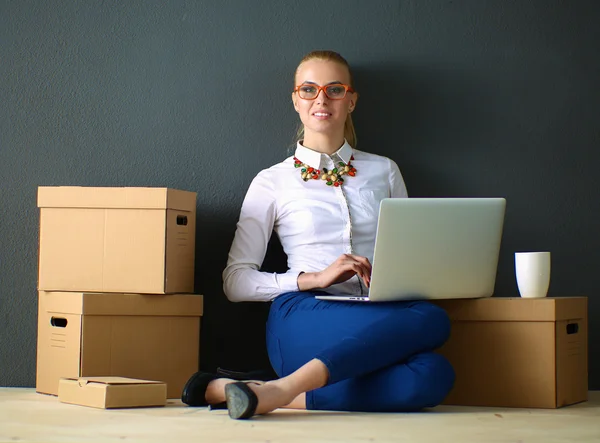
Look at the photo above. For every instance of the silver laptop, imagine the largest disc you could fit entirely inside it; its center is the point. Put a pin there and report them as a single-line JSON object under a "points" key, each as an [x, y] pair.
{"points": [[434, 248]]}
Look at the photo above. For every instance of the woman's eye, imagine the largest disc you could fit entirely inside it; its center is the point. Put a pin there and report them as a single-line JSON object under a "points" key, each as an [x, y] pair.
{"points": [[336, 90], [308, 89]]}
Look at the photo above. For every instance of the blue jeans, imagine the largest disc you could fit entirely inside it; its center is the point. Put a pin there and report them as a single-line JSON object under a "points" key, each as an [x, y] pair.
{"points": [[379, 355]]}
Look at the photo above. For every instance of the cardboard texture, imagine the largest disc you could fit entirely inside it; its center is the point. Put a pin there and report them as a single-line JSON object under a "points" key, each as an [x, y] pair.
{"points": [[127, 335], [137, 240], [112, 392], [517, 352]]}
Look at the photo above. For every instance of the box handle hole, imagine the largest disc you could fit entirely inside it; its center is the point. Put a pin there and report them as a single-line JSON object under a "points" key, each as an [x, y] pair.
{"points": [[58, 322], [572, 328], [182, 220]]}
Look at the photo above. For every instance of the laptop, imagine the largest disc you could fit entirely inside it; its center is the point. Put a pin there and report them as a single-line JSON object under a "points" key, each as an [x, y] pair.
{"points": [[434, 248]]}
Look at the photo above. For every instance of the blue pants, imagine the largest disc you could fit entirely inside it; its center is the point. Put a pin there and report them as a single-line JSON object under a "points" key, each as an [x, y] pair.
{"points": [[379, 355]]}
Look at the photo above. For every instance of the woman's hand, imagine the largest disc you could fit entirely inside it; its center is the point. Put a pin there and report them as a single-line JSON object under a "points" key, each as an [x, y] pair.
{"points": [[344, 268]]}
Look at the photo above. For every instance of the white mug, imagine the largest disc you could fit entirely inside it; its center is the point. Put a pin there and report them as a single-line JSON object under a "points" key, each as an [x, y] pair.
{"points": [[533, 273]]}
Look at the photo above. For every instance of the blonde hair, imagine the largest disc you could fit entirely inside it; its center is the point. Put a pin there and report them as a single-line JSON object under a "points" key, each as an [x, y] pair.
{"points": [[349, 131]]}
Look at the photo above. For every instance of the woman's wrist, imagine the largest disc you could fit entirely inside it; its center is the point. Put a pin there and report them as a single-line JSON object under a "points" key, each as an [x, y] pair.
{"points": [[308, 281]]}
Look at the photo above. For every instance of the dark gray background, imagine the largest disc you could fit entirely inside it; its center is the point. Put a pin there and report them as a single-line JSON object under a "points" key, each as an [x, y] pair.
{"points": [[470, 98]]}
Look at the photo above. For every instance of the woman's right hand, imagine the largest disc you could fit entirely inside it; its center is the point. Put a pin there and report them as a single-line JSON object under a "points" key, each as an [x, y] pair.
{"points": [[343, 268]]}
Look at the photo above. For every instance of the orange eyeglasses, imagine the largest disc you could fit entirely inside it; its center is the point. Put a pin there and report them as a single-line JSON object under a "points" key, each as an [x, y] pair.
{"points": [[336, 91]]}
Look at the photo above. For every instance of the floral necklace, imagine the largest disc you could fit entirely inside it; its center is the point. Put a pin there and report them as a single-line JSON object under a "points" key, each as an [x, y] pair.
{"points": [[330, 177]]}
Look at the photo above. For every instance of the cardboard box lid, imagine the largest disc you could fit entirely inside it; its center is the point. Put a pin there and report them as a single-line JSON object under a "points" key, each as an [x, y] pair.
{"points": [[115, 198], [515, 309], [110, 380], [96, 303], [112, 392]]}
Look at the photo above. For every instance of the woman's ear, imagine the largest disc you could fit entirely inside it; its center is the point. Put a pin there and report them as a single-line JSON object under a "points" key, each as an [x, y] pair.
{"points": [[295, 102], [354, 99]]}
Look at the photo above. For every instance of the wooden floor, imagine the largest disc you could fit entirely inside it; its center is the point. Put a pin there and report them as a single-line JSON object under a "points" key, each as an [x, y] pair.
{"points": [[27, 416]]}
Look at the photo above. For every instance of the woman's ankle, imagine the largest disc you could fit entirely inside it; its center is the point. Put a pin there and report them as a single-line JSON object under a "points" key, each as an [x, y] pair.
{"points": [[312, 375]]}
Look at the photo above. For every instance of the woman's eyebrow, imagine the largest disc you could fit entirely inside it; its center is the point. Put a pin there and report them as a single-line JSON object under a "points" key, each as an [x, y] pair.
{"points": [[337, 82]]}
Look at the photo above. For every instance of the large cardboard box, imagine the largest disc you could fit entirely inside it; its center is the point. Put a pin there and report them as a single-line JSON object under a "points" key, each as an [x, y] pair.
{"points": [[147, 337], [112, 392], [138, 240], [518, 352]]}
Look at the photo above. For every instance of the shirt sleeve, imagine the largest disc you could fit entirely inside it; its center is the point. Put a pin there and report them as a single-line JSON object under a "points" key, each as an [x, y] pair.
{"points": [[397, 185], [242, 280]]}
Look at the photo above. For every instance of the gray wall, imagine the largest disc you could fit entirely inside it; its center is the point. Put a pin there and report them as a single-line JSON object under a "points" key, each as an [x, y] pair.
{"points": [[471, 98]]}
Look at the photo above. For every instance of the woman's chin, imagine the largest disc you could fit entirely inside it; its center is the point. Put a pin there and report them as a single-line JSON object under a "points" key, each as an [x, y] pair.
{"points": [[324, 127]]}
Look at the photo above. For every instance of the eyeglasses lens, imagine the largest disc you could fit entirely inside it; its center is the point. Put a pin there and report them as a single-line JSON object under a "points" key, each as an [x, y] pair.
{"points": [[334, 92]]}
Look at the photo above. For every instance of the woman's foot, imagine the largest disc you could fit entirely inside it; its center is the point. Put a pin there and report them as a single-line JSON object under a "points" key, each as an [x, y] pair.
{"points": [[245, 399], [271, 396], [215, 391]]}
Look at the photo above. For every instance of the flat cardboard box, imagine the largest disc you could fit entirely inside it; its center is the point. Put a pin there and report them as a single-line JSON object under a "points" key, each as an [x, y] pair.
{"points": [[518, 352], [138, 240], [112, 392], [146, 337]]}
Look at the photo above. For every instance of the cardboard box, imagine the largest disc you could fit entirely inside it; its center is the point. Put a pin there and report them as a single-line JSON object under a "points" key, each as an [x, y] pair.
{"points": [[138, 240], [147, 337], [112, 392], [518, 352]]}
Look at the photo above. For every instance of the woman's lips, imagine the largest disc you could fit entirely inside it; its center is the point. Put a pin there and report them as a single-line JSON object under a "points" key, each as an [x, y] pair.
{"points": [[321, 115]]}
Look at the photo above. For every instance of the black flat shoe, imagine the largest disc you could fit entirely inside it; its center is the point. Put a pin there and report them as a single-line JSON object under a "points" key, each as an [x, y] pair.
{"points": [[217, 406], [241, 400], [194, 391]]}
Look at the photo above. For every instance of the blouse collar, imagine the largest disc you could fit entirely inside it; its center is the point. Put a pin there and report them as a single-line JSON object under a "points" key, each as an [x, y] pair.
{"points": [[315, 158]]}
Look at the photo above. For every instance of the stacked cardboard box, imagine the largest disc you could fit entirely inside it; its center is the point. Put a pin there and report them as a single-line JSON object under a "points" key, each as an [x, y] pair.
{"points": [[116, 283]]}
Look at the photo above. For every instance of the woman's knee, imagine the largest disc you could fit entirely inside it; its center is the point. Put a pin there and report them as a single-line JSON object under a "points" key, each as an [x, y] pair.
{"points": [[435, 323], [434, 379]]}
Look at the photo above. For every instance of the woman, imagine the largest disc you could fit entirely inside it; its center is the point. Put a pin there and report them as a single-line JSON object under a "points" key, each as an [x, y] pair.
{"points": [[323, 204]]}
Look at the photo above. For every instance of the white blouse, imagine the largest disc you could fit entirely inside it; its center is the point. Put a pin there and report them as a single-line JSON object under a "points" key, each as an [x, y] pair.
{"points": [[315, 223]]}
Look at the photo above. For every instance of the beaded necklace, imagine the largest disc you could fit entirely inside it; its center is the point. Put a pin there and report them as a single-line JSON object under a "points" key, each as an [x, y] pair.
{"points": [[330, 177]]}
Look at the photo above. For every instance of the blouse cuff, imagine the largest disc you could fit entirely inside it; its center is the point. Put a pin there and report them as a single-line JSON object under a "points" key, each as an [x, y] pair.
{"points": [[288, 282]]}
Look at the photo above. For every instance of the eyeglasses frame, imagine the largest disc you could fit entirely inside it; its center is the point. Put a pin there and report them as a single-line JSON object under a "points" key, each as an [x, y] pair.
{"points": [[348, 89]]}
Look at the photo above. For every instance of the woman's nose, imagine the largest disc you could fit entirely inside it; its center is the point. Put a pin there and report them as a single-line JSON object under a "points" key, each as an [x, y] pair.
{"points": [[321, 96]]}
